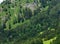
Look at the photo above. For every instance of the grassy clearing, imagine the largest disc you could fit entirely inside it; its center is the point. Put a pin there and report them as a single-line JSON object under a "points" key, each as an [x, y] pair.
{"points": [[49, 41]]}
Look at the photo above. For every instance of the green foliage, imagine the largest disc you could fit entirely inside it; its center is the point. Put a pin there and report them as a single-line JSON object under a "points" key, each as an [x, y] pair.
{"points": [[19, 24]]}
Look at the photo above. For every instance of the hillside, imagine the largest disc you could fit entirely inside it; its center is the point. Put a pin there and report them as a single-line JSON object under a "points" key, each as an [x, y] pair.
{"points": [[30, 22]]}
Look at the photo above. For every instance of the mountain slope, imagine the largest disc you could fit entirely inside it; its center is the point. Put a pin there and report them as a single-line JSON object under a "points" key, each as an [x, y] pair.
{"points": [[29, 21]]}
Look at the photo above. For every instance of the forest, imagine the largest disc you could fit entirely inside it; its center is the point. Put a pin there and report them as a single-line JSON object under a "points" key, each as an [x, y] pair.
{"points": [[30, 22]]}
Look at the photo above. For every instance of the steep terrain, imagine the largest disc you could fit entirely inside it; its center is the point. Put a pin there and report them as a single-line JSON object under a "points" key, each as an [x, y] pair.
{"points": [[30, 22]]}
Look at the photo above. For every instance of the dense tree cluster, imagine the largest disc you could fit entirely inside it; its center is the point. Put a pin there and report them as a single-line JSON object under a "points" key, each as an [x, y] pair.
{"points": [[20, 24]]}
